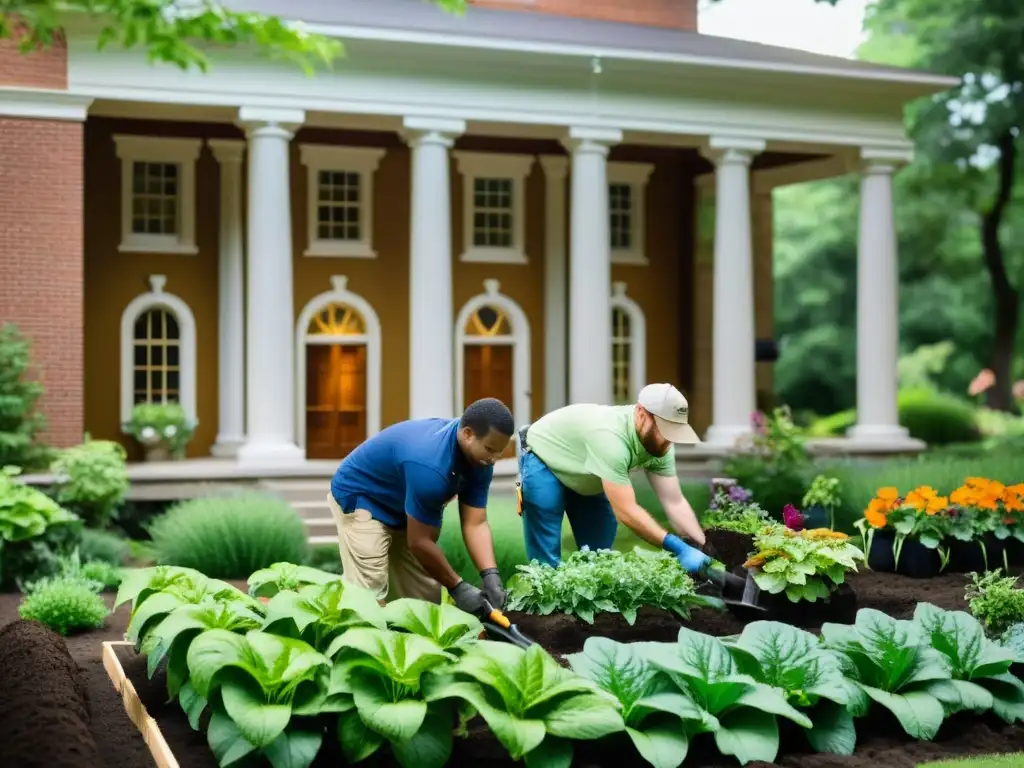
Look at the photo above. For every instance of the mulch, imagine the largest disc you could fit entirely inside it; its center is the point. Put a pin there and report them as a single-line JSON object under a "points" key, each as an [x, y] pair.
{"points": [[880, 741]]}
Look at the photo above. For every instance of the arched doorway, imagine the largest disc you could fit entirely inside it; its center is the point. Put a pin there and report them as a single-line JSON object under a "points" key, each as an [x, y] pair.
{"points": [[339, 381], [493, 348]]}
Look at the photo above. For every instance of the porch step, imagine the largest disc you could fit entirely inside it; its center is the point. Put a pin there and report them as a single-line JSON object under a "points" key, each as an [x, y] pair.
{"points": [[299, 490], [321, 528], [314, 540]]}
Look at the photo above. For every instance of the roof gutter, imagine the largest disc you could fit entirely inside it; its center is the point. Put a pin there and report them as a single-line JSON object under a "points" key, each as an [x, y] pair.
{"points": [[927, 81]]}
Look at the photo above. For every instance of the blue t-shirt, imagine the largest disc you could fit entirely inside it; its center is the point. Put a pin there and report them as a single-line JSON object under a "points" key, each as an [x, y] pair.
{"points": [[411, 468]]}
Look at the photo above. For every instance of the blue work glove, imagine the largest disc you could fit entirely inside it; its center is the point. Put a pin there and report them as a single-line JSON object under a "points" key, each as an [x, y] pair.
{"points": [[693, 561]]}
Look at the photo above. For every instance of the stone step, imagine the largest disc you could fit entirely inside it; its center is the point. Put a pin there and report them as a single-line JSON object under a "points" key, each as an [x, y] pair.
{"points": [[314, 540], [319, 527]]}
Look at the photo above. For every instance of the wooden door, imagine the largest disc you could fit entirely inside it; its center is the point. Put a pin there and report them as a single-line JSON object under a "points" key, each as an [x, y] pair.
{"points": [[335, 399], [487, 372]]}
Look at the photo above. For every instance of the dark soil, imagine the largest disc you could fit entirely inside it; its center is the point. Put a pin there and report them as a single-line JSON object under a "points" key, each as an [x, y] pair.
{"points": [[44, 712], [729, 547], [880, 742]]}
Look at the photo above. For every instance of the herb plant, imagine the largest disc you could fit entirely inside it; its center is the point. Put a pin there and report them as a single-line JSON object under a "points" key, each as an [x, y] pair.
{"points": [[995, 601], [805, 565], [732, 509], [606, 581]]}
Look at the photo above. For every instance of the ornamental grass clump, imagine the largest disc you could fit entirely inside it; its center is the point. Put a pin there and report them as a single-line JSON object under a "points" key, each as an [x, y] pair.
{"points": [[606, 581], [806, 565]]}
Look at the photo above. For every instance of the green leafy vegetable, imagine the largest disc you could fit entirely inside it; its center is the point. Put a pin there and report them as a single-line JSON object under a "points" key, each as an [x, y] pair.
{"points": [[740, 711], [318, 613], [788, 658], [449, 628], [267, 582], [980, 668], [894, 666], [534, 707], [806, 565], [606, 581], [995, 601], [655, 711]]}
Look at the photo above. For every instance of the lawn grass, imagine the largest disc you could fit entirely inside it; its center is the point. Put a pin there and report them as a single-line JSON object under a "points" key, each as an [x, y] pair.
{"points": [[985, 761]]}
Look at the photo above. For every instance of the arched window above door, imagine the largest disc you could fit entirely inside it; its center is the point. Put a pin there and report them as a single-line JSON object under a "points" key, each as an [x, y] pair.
{"points": [[488, 321], [337, 319]]}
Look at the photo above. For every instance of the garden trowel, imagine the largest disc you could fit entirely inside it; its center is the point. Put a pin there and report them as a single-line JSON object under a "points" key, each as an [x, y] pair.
{"points": [[498, 627], [737, 593]]}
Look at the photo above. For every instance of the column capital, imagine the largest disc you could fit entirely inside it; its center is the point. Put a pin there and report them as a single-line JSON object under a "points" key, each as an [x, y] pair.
{"points": [[732, 150], [555, 166], [417, 131], [270, 121], [883, 161], [587, 139], [227, 151]]}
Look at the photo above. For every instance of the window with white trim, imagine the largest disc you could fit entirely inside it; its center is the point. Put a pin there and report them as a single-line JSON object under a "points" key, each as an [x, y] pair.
{"points": [[158, 194], [627, 190], [629, 346], [493, 206], [339, 199]]}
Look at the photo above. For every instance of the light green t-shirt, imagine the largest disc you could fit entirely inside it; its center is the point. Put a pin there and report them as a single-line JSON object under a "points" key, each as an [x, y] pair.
{"points": [[584, 444]]}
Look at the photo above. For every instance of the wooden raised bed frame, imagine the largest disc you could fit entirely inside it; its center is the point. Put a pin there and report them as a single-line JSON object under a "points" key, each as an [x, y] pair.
{"points": [[147, 726]]}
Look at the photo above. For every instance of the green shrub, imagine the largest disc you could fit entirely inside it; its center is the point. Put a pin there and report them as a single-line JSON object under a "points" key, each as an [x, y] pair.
{"points": [[66, 605], [92, 480], [20, 422], [936, 418], [103, 545], [34, 531], [230, 536]]}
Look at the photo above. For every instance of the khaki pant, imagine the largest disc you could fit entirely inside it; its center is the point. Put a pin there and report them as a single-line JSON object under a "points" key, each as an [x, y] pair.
{"points": [[378, 558]]}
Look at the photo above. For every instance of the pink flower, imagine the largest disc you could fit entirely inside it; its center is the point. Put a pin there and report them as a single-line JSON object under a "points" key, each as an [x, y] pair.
{"points": [[984, 380], [757, 421], [792, 518]]}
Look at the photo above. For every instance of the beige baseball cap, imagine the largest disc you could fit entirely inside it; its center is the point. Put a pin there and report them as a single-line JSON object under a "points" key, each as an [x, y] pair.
{"points": [[671, 412]]}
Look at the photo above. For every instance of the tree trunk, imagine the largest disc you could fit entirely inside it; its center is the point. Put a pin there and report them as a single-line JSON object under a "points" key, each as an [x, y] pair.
{"points": [[1007, 299]]}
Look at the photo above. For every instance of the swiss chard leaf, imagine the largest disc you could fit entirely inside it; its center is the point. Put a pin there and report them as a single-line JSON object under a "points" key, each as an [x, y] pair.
{"points": [[528, 700], [318, 613], [267, 582]]}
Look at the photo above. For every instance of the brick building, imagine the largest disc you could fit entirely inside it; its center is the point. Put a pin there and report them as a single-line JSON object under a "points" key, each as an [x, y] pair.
{"points": [[546, 201]]}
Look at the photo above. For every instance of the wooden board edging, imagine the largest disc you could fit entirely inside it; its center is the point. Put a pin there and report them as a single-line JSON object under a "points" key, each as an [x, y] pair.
{"points": [[137, 713]]}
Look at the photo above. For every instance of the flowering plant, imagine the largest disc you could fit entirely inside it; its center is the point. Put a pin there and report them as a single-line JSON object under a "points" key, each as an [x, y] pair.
{"points": [[161, 425], [916, 515], [806, 565], [793, 519], [988, 506], [732, 508]]}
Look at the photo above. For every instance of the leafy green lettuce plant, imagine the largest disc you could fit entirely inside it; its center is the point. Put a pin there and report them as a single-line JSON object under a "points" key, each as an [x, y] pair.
{"points": [[980, 668], [894, 666], [254, 683], [742, 711], [805, 565], [267, 582], [658, 716], [318, 613], [375, 684], [792, 660], [606, 581], [448, 627], [535, 707]]}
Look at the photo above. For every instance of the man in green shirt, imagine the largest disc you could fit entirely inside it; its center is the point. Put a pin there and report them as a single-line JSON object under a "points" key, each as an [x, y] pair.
{"points": [[576, 461]]}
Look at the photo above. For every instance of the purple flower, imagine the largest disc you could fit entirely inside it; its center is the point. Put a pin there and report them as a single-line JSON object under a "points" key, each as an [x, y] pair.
{"points": [[792, 518], [739, 494], [757, 420]]}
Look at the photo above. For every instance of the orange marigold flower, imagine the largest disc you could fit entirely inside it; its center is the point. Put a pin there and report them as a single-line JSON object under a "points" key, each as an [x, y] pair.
{"points": [[919, 498], [964, 496], [888, 493], [936, 504], [876, 513], [978, 483]]}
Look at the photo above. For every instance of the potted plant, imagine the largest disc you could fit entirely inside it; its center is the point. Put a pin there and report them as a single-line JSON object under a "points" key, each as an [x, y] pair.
{"points": [[984, 519], [802, 574], [730, 523], [906, 535], [163, 429], [820, 502]]}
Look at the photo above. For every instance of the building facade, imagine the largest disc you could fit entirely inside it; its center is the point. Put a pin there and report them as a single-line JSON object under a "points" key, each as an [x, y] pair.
{"points": [[525, 205]]}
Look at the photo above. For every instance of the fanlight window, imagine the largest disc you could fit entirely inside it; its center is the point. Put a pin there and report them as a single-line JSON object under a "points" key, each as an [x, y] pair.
{"points": [[337, 320], [489, 322], [157, 357], [621, 340]]}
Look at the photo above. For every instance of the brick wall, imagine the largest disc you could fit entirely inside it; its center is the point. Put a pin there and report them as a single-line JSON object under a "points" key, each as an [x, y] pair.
{"points": [[41, 240], [674, 14]]}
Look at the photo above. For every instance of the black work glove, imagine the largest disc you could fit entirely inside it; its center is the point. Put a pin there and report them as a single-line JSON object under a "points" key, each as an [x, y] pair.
{"points": [[469, 599], [494, 590]]}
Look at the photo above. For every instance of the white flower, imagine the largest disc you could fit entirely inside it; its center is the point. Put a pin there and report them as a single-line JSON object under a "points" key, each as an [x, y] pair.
{"points": [[148, 433], [170, 430]]}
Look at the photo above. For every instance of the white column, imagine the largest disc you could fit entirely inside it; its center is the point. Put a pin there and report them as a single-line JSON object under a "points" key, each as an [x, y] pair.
{"points": [[270, 315], [231, 301], [734, 389], [878, 305], [431, 323], [555, 331], [590, 267]]}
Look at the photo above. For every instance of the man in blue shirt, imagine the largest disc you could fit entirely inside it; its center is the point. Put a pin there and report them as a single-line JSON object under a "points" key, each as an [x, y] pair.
{"points": [[388, 498]]}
